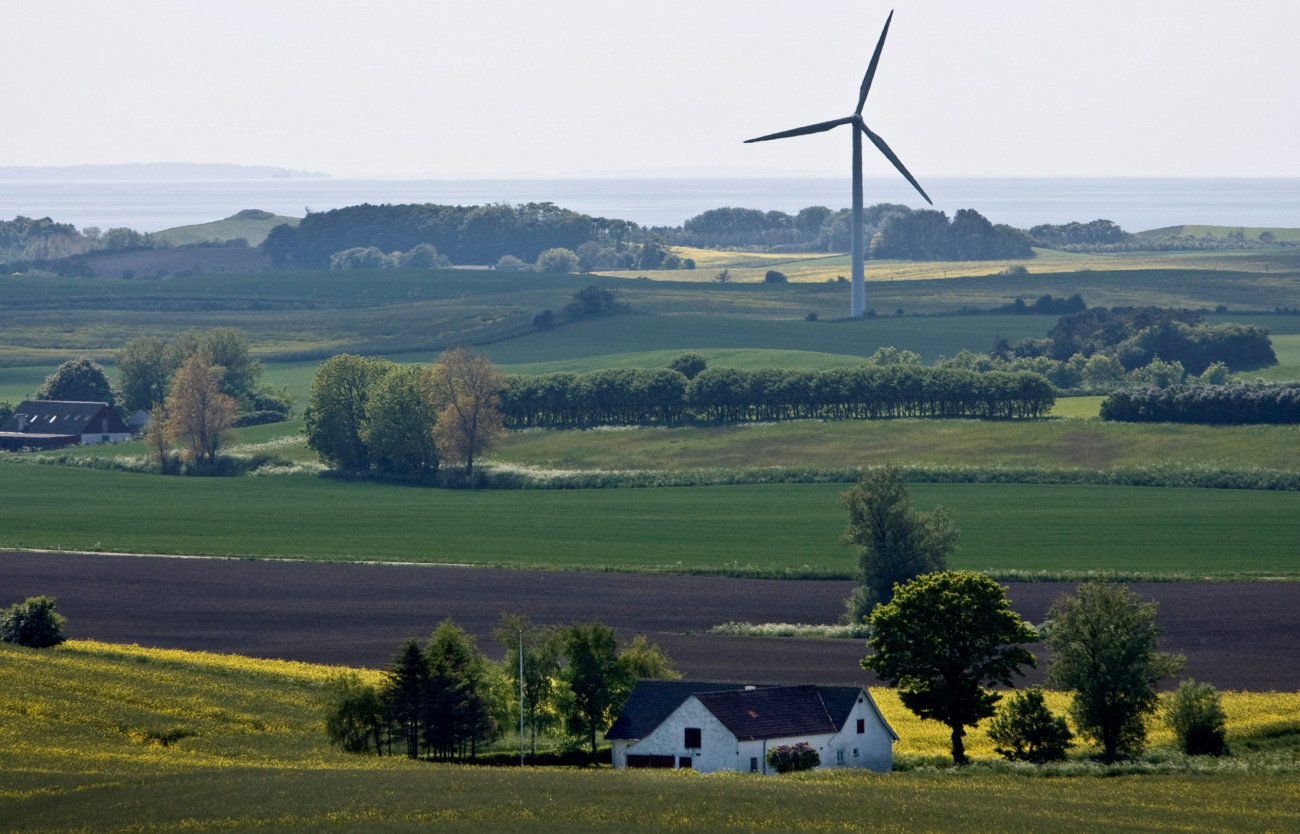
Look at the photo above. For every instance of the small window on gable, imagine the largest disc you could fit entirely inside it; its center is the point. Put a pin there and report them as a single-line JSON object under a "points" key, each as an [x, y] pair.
{"points": [[862, 725], [692, 741]]}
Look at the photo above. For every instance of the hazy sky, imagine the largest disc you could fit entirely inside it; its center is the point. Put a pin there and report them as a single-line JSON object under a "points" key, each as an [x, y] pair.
{"points": [[584, 87]]}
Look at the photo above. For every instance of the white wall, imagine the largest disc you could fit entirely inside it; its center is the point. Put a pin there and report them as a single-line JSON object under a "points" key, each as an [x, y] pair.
{"points": [[872, 749], [98, 437]]}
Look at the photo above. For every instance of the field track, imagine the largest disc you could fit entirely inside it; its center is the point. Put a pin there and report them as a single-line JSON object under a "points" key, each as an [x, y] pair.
{"points": [[1243, 636]]}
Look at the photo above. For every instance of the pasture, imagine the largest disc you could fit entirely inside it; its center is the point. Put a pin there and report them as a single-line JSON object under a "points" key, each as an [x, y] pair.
{"points": [[117, 738], [756, 530], [293, 316]]}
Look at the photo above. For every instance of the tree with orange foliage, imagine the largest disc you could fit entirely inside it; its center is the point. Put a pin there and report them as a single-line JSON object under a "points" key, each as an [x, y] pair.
{"points": [[466, 389], [197, 411]]}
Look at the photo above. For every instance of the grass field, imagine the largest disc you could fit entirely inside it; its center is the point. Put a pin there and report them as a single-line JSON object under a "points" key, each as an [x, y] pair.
{"points": [[1046, 444], [745, 530], [107, 738], [300, 315]]}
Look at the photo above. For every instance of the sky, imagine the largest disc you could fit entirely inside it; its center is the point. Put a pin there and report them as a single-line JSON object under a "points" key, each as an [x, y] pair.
{"points": [[576, 88]]}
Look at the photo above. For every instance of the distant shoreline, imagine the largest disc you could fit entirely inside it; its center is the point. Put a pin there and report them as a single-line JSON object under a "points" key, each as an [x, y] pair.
{"points": [[150, 172], [1136, 204]]}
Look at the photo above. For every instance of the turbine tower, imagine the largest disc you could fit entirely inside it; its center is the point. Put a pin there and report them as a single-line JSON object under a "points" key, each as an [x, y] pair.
{"points": [[859, 290]]}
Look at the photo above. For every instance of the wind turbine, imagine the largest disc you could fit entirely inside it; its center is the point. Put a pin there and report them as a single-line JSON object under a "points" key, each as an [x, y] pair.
{"points": [[859, 291]]}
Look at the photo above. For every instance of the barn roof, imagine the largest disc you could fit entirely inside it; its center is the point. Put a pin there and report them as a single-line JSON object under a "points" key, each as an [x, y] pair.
{"points": [[653, 701], [777, 712], [747, 711], [61, 417]]}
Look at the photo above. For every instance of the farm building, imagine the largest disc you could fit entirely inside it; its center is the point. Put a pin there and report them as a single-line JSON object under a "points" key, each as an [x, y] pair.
{"points": [[720, 726], [53, 424]]}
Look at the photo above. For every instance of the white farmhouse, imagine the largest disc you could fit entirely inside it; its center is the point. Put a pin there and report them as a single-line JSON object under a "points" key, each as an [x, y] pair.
{"points": [[712, 726]]}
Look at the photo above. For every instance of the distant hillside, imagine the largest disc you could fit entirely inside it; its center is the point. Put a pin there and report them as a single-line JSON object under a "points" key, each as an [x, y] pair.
{"points": [[250, 224], [152, 171], [1246, 232]]}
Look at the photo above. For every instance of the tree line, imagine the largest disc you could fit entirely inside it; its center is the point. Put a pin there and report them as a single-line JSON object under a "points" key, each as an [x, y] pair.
{"points": [[1237, 404], [463, 234], [661, 396], [446, 700], [1137, 335]]}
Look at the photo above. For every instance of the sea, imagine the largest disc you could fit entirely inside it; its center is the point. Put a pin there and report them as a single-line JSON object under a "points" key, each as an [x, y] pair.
{"points": [[1136, 204]]}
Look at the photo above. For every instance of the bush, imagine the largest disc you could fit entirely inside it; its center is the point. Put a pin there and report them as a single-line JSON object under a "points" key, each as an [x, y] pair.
{"points": [[557, 260], [32, 623], [688, 365], [1025, 730], [774, 277], [1195, 714], [788, 758]]}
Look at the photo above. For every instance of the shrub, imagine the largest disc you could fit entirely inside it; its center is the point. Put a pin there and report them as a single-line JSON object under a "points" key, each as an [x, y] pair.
{"points": [[688, 365], [1195, 714], [774, 277], [1024, 730], [32, 623], [788, 758]]}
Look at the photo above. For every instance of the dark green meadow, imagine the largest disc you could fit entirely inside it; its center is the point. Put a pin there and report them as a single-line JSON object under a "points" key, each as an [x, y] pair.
{"points": [[763, 530]]}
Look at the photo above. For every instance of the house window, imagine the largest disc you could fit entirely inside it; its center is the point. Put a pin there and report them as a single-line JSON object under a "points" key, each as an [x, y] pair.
{"points": [[693, 738], [855, 752], [862, 726], [684, 762], [753, 764], [839, 756]]}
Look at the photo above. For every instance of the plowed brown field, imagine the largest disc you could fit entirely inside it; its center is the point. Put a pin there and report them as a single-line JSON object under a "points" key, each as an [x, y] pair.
{"points": [[1235, 635]]}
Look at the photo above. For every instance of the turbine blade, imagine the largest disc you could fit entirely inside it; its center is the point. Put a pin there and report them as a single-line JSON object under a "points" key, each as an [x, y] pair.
{"points": [[892, 157], [803, 131], [871, 69]]}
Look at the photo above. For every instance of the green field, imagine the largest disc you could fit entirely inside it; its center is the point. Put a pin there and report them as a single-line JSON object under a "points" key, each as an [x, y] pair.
{"points": [[105, 738], [298, 315], [746, 530], [1042, 444]]}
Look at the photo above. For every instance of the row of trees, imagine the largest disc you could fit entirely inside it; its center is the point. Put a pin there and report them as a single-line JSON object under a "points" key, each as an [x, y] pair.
{"points": [[1099, 373], [1215, 404], [464, 234], [446, 700], [928, 235], [367, 413], [663, 396], [420, 256]]}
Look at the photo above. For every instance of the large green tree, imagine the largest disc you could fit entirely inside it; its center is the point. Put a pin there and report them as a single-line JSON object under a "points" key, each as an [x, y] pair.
{"points": [[399, 420], [1103, 642], [895, 542], [596, 679], [229, 348], [942, 639], [335, 417], [77, 380], [143, 373]]}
